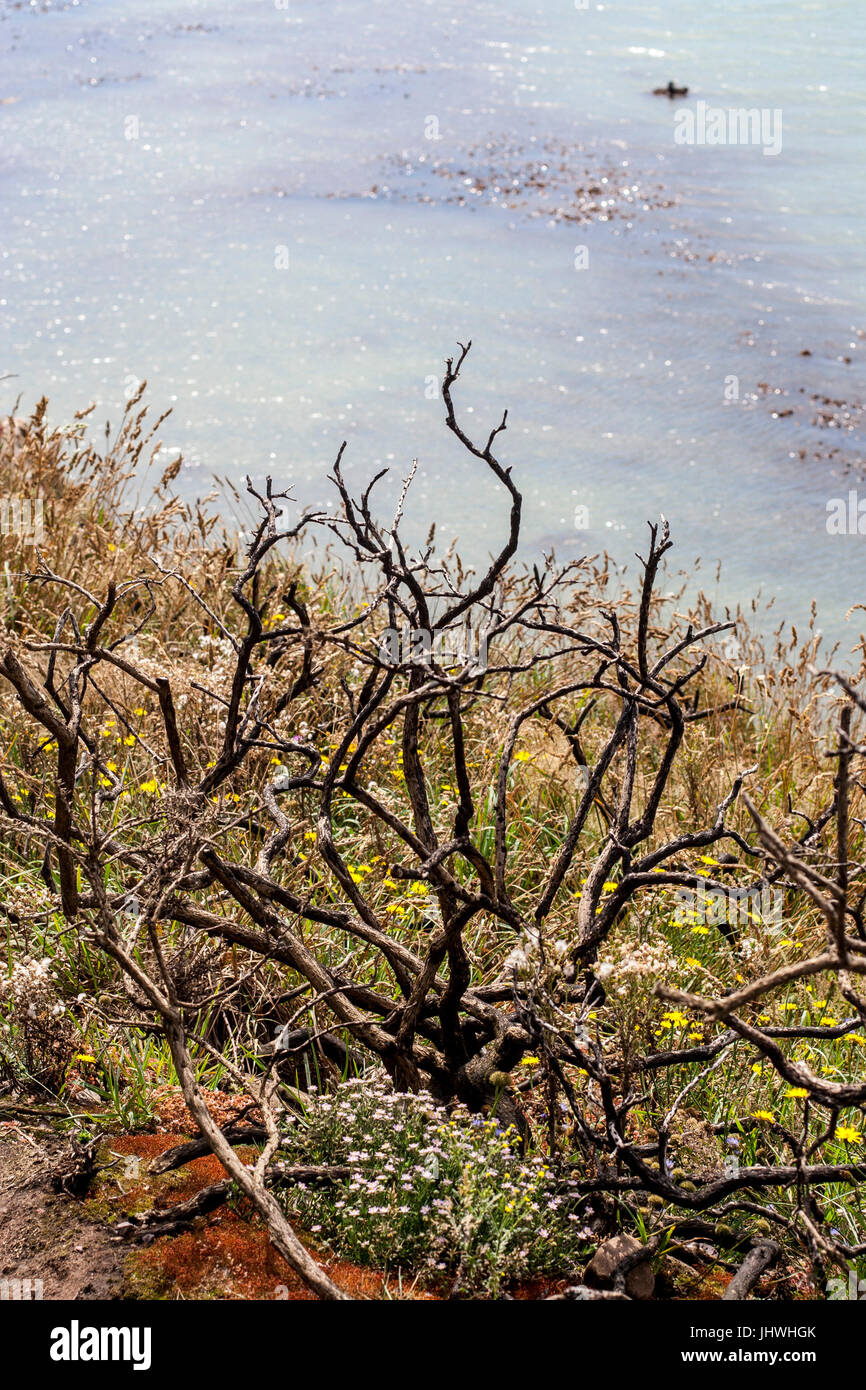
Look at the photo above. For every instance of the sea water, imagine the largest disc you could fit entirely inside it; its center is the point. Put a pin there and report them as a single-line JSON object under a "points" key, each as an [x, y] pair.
{"points": [[285, 216]]}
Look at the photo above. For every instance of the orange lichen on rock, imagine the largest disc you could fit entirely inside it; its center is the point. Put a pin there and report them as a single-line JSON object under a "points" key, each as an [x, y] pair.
{"points": [[231, 1257]]}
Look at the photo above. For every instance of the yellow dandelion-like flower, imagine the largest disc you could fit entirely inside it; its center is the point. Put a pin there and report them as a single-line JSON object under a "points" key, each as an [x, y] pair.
{"points": [[796, 1093], [850, 1136], [763, 1115], [676, 1018]]}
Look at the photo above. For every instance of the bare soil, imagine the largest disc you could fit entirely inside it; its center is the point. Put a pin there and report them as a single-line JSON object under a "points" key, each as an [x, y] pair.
{"points": [[50, 1236]]}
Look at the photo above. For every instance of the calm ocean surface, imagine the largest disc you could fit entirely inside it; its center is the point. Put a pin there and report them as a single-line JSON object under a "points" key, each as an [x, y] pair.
{"points": [[284, 218]]}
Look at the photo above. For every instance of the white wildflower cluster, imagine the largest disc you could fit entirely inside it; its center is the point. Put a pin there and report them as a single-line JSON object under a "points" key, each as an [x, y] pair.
{"points": [[31, 988], [528, 958], [39, 1035], [26, 898], [525, 958], [627, 963], [439, 1191]]}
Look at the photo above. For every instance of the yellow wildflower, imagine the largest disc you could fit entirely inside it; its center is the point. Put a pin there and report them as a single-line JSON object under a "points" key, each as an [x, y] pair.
{"points": [[676, 1018]]}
